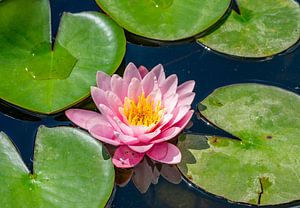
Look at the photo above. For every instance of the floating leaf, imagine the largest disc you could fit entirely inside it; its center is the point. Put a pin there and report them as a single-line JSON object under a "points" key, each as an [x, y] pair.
{"points": [[263, 29], [166, 20], [71, 170], [38, 78], [262, 168]]}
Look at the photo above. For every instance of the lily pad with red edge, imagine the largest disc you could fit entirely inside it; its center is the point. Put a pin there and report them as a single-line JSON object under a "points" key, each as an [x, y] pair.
{"points": [[70, 170], [166, 20], [262, 29], [37, 77], [263, 168]]}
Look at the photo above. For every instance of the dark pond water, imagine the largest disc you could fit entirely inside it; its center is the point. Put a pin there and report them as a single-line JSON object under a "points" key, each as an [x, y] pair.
{"points": [[188, 61]]}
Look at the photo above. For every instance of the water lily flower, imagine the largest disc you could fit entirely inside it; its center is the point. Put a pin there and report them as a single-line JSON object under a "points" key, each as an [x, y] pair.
{"points": [[140, 113]]}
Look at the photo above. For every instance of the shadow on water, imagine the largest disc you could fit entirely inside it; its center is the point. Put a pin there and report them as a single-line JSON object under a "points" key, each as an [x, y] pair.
{"points": [[188, 61]]}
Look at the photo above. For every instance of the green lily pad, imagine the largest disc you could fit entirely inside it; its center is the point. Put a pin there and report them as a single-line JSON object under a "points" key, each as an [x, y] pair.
{"points": [[263, 29], [166, 20], [71, 170], [38, 78], [264, 167]]}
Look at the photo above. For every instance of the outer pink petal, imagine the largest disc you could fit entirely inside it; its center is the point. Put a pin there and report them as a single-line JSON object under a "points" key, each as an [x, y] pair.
{"points": [[131, 72], [167, 135], [169, 86], [125, 129], [134, 89], [103, 81], [141, 148], [99, 96], [143, 71], [186, 87], [159, 73], [126, 158], [81, 117], [186, 99], [119, 86], [165, 153], [125, 139], [97, 133]]}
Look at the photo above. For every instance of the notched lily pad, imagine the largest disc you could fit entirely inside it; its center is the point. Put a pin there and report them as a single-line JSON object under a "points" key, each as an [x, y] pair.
{"points": [[166, 20], [263, 168], [263, 29], [70, 170], [43, 78]]}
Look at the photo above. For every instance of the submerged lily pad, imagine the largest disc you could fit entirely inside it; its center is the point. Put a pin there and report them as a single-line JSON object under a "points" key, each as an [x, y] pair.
{"points": [[71, 170], [263, 29], [37, 77], [166, 20], [264, 167]]}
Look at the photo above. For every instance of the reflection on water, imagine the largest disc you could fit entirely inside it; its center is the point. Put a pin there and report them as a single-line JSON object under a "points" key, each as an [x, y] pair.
{"points": [[188, 61]]}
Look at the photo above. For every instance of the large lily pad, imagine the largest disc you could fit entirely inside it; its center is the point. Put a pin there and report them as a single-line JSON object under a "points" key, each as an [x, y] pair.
{"points": [[166, 20], [263, 28], [38, 78], [71, 170], [262, 168]]}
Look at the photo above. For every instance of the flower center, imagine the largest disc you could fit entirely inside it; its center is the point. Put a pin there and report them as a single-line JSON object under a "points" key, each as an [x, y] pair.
{"points": [[142, 113]]}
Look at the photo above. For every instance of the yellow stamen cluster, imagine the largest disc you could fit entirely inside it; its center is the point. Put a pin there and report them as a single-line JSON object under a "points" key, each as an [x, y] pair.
{"points": [[142, 113]]}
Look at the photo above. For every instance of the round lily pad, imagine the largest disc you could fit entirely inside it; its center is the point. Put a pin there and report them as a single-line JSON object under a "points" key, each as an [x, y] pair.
{"points": [[264, 166], [43, 78], [166, 20], [262, 29], [71, 170]]}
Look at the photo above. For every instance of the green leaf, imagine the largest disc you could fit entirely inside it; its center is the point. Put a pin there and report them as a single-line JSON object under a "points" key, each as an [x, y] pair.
{"points": [[166, 20], [262, 168], [263, 29], [38, 78], [71, 170]]}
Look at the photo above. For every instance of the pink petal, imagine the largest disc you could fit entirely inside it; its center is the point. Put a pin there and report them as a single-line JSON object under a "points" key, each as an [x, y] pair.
{"points": [[156, 96], [124, 128], [159, 73], [167, 135], [169, 86], [134, 89], [131, 72], [141, 148], [170, 102], [148, 83], [81, 117], [113, 102], [125, 139], [185, 120], [143, 71], [148, 136], [103, 80], [165, 153], [109, 115], [97, 132], [186, 87], [179, 113], [119, 86], [138, 130], [186, 99], [98, 96], [99, 120], [165, 120], [126, 158], [142, 176]]}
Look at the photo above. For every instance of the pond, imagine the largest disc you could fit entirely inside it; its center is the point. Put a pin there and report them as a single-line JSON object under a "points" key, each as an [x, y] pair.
{"points": [[189, 61]]}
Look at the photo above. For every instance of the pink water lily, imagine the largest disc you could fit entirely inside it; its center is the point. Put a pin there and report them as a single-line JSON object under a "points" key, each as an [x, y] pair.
{"points": [[140, 113]]}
